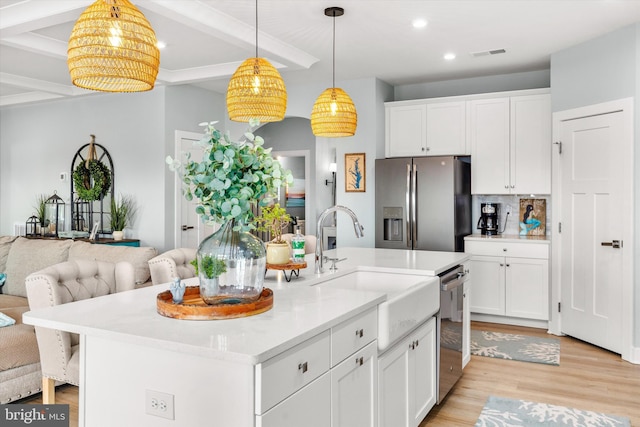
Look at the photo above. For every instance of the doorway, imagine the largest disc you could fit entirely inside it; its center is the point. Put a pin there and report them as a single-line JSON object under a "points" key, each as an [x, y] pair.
{"points": [[593, 241]]}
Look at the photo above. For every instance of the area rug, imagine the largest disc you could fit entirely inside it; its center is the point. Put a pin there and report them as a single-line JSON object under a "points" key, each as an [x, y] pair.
{"points": [[515, 347], [503, 412]]}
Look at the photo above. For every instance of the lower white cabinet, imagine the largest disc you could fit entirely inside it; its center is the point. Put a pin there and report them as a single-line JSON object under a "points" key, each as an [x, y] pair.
{"points": [[510, 279], [407, 386], [329, 380], [311, 406], [354, 386]]}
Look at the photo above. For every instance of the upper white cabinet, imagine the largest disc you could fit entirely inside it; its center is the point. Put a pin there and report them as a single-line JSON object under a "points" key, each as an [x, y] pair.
{"points": [[406, 130], [446, 128], [511, 145], [426, 129]]}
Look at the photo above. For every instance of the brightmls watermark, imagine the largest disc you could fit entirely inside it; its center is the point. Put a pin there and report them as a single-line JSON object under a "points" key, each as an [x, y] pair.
{"points": [[34, 415]]}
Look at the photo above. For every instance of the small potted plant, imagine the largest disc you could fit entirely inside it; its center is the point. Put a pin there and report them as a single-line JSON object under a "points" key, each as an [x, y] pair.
{"points": [[122, 212], [212, 268], [273, 220]]}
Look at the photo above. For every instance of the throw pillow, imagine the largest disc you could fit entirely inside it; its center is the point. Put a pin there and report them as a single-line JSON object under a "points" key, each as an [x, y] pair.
{"points": [[6, 320]]}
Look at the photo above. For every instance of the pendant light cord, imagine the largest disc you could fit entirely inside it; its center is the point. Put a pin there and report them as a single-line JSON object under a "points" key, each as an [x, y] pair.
{"points": [[334, 50], [256, 28]]}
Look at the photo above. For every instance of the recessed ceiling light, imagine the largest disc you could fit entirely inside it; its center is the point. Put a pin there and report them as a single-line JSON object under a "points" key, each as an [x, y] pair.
{"points": [[419, 23], [450, 56], [161, 44]]}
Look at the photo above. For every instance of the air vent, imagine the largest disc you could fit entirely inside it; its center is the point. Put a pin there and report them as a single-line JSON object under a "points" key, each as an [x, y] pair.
{"points": [[488, 52]]}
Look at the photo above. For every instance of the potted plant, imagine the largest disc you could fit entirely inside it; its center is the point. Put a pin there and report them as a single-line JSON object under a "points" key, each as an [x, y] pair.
{"points": [[41, 201], [212, 268], [122, 212], [230, 182], [273, 220]]}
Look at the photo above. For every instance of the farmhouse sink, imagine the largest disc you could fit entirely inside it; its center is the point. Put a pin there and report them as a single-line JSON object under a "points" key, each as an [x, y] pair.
{"points": [[411, 299]]}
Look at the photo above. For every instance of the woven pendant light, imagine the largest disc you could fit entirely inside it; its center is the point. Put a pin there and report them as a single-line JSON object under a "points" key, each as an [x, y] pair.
{"points": [[112, 48], [256, 90], [334, 114]]}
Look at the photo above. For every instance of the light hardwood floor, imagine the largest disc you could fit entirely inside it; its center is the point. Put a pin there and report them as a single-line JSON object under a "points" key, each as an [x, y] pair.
{"points": [[588, 378]]}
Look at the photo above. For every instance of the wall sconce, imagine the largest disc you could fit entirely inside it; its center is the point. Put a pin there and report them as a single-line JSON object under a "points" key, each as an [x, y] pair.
{"points": [[333, 168]]}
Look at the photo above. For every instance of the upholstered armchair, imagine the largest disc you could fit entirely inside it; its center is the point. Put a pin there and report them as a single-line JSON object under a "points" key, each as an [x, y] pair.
{"points": [[64, 283], [174, 263]]}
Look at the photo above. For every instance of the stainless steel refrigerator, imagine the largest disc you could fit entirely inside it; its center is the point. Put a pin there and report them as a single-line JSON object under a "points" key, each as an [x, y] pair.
{"points": [[423, 203]]}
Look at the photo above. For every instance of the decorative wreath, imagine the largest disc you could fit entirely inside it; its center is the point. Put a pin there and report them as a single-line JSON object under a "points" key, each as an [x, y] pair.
{"points": [[96, 172]]}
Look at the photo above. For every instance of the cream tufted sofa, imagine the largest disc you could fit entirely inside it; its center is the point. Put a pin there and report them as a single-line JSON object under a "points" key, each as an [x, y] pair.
{"points": [[20, 374], [61, 284], [173, 263]]}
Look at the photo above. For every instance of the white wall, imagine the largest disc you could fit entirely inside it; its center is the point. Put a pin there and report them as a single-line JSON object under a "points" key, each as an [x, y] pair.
{"points": [[39, 141]]}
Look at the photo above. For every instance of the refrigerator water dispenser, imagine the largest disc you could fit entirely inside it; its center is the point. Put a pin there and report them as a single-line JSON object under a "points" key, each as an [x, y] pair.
{"points": [[392, 218]]}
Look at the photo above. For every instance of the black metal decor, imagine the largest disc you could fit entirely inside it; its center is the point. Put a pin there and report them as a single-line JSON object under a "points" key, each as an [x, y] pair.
{"points": [[85, 213]]}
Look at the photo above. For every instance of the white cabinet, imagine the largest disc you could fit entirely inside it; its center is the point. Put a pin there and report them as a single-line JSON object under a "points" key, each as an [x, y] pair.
{"points": [[446, 128], [407, 379], [354, 385], [330, 380], [426, 129], [311, 406], [406, 130], [510, 279], [511, 145]]}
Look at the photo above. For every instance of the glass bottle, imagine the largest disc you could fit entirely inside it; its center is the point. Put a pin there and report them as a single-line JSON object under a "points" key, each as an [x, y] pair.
{"points": [[297, 246]]}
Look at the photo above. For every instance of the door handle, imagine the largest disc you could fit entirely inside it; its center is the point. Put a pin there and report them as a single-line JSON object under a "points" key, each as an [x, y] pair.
{"points": [[187, 227], [616, 244]]}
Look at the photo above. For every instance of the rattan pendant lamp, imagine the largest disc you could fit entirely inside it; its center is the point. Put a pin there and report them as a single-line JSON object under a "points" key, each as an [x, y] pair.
{"points": [[256, 90], [334, 114], [112, 48]]}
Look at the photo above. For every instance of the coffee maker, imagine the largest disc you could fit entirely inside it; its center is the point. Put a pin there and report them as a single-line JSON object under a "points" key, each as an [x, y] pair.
{"points": [[488, 221]]}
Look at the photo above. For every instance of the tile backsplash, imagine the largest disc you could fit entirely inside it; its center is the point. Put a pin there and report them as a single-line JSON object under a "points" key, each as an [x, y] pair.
{"points": [[512, 226]]}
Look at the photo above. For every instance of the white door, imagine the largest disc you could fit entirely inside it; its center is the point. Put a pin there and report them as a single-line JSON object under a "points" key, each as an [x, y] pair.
{"points": [[595, 186], [189, 229]]}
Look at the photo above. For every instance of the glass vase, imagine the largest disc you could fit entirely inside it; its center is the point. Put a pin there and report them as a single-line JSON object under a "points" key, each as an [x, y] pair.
{"points": [[231, 266]]}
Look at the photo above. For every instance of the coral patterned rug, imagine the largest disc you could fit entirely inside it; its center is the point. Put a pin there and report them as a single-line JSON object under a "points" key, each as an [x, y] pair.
{"points": [[502, 412], [515, 347]]}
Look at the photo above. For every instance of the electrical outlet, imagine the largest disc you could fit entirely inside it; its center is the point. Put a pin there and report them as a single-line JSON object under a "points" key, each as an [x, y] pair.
{"points": [[159, 404]]}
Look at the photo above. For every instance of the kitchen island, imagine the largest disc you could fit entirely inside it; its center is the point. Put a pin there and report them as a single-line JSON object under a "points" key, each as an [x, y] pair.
{"points": [[232, 372]]}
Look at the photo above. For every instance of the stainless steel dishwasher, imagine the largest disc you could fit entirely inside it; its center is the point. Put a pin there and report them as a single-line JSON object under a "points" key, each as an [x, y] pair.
{"points": [[450, 329]]}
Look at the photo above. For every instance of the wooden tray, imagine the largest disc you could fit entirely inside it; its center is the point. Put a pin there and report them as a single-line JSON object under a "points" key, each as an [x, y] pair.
{"points": [[193, 307]]}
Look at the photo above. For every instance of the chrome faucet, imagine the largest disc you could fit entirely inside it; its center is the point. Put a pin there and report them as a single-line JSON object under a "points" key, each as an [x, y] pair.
{"points": [[359, 229]]}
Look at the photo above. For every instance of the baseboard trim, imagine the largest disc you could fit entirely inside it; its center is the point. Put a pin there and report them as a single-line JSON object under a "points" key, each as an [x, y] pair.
{"points": [[506, 320]]}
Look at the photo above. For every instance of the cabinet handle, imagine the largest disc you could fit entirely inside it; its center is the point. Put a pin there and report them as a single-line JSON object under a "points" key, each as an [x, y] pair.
{"points": [[501, 265], [359, 361], [360, 333], [504, 249], [422, 148], [506, 186], [508, 265], [303, 367], [417, 342], [412, 345], [513, 186]]}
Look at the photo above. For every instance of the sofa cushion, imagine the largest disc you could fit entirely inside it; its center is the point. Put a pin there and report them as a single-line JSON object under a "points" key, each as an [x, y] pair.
{"points": [[139, 257], [11, 301], [29, 255], [5, 245], [18, 344]]}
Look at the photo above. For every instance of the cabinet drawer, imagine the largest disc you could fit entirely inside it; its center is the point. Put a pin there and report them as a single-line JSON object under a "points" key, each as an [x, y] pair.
{"points": [[310, 407], [352, 335], [511, 249], [288, 372]]}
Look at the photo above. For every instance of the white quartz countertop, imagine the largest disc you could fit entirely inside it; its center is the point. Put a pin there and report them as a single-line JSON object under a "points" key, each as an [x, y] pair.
{"points": [[515, 238], [300, 310]]}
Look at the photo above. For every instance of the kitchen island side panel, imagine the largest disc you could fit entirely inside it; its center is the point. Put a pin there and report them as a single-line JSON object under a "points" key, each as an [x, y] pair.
{"points": [[117, 376]]}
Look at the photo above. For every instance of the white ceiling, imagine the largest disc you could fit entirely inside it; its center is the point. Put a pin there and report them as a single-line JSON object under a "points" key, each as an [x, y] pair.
{"points": [[208, 39]]}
